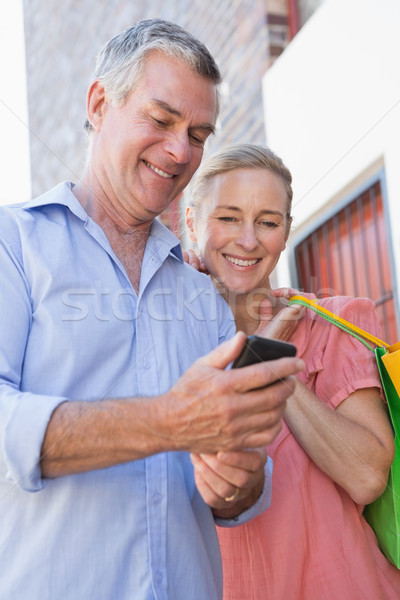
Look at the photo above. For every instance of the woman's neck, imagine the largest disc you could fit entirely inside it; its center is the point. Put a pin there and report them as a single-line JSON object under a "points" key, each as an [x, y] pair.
{"points": [[246, 309]]}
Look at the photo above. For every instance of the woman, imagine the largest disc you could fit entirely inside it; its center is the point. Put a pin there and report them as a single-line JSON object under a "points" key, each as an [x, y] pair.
{"points": [[335, 449]]}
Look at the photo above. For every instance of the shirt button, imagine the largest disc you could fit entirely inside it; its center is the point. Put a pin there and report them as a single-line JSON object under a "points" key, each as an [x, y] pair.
{"points": [[159, 577], [146, 364], [157, 498]]}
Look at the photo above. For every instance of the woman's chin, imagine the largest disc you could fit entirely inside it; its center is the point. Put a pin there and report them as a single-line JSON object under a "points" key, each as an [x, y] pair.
{"points": [[227, 285]]}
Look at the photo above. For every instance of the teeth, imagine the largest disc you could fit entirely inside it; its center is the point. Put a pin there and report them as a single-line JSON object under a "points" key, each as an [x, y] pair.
{"points": [[158, 171], [241, 263]]}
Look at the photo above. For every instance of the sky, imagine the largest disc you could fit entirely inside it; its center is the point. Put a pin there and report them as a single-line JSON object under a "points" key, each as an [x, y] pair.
{"points": [[14, 139]]}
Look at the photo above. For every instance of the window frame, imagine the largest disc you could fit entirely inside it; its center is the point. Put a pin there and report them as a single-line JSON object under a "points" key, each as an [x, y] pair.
{"points": [[325, 215]]}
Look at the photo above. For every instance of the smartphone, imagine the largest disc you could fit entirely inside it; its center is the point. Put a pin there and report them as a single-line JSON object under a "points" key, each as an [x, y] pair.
{"points": [[258, 349]]}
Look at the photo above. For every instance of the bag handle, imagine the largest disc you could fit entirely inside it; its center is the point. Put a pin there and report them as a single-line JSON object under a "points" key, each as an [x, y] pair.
{"points": [[353, 330]]}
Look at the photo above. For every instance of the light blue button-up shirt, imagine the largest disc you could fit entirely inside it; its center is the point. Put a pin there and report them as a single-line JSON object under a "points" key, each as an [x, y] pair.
{"points": [[71, 327]]}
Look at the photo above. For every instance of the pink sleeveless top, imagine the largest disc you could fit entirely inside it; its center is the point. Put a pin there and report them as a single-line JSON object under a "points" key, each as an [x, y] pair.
{"points": [[313, 542]]}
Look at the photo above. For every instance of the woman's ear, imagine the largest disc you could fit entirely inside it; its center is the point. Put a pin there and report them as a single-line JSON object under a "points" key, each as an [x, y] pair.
{"points": [[94, 104], [190, 224], [287, 233]]}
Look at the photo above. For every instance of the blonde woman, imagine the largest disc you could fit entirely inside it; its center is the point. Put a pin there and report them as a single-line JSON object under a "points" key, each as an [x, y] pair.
{"points": [[335, 449]]}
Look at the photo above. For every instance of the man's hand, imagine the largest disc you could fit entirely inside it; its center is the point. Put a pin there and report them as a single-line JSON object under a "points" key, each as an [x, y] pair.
{"points": [[211, 409], [230, 482], [208, 410]]}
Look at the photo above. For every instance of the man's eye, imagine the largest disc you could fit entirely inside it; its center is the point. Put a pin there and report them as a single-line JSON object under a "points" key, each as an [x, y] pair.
{"points": [[160, 122], [197, 140], [227, 219]]}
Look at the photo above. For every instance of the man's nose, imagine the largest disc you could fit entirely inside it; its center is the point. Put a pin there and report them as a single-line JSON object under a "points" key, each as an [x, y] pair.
{"points": [[178, 146]]}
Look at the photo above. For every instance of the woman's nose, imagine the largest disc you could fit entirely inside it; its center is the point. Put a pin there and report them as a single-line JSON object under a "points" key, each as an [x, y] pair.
{"points": [[248, 239]]}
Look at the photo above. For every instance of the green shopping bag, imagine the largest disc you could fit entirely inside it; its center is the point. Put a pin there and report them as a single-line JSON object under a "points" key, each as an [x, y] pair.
{"points": [[384, 513]]}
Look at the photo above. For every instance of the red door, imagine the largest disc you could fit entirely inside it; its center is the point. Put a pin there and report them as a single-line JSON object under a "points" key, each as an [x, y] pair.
{"points": [[349, 255]]}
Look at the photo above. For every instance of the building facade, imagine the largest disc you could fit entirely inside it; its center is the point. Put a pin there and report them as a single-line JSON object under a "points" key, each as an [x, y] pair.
{"points": [[332, 111]]}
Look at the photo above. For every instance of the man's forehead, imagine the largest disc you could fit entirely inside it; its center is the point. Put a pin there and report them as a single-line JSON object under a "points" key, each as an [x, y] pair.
{"points": [[166, 106], [170, 83], [175, 66]]}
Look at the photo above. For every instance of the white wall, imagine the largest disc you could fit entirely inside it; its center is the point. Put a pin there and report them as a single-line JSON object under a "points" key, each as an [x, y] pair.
{"points": [[332, 109], [15, 179]]}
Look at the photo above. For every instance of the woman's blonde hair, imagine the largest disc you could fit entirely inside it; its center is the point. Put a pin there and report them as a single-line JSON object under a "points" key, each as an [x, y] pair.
{"points": [[239, 156]]}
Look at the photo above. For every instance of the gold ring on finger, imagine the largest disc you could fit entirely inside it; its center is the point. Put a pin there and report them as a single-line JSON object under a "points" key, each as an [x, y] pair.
{"points": [[233, 497]]}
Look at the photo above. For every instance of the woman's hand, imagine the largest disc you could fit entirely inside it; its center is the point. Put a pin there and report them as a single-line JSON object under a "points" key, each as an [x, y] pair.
{"points": [[283, 324], [195, 260], [230, 482]]}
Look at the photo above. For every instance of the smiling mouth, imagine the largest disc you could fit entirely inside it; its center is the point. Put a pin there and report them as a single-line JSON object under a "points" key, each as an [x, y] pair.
{"points": [[158, 171], [240, 262]]}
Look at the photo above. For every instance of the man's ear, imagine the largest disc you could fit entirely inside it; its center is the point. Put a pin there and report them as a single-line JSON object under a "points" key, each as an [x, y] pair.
{"points": [[94, 104], [190, 225]]}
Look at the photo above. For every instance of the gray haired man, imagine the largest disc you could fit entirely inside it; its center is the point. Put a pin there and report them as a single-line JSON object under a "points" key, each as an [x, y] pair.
{"points": [[124, 437]]}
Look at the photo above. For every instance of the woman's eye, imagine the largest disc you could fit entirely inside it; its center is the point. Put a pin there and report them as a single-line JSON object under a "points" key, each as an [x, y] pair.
{"points": [[227, 219], [269, 224]]}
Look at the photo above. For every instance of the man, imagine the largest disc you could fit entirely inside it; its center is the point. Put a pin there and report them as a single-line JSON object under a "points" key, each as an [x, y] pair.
{"points": [[121, 447]]}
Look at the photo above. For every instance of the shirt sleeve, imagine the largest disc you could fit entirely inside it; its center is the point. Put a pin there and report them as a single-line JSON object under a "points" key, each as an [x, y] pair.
{"points": [[259, 507], [23, 416], [345, 364]]}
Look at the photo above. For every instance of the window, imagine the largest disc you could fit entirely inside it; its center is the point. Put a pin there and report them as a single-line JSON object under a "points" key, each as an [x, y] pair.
{"points": [[349, 255]]}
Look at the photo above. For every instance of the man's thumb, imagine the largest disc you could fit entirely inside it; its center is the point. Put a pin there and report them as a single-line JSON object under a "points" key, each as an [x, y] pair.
{"points": [[226, 352]]}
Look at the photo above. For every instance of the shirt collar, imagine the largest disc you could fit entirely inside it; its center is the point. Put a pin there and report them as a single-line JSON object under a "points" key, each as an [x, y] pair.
{"points": [[62, 194], [167, 238]]}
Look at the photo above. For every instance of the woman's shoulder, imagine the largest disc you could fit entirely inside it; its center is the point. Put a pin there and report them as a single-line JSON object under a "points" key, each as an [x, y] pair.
{"points": [[347, 307], [357, 310], [315, 333], [329, 352]]}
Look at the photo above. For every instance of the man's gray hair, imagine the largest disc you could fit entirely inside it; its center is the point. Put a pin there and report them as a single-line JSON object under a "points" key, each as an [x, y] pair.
{"points": [[121, 61]]}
